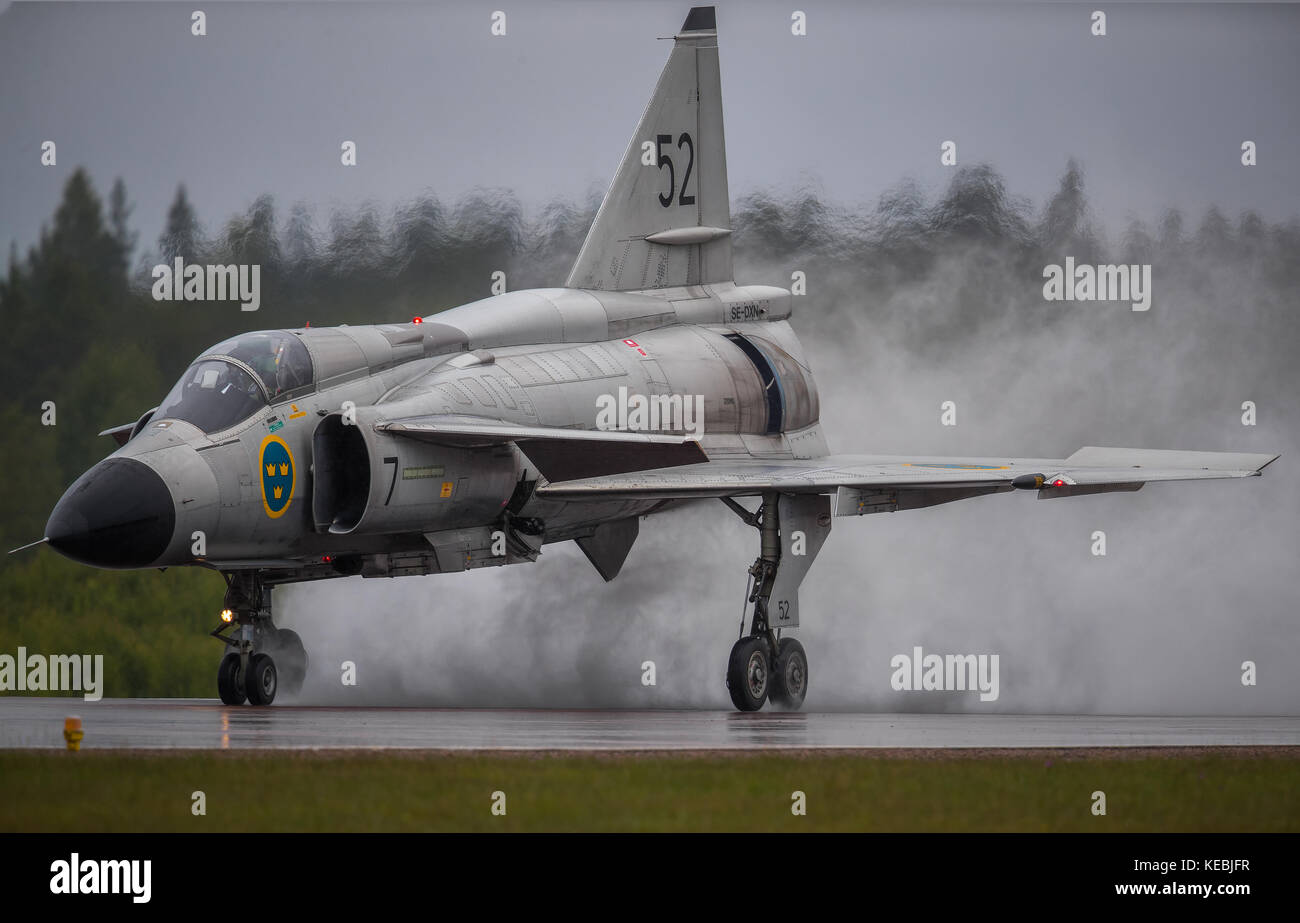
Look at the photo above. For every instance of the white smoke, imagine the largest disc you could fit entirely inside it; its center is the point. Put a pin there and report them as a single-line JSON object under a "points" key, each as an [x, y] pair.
{"points": [[1197, 578]]}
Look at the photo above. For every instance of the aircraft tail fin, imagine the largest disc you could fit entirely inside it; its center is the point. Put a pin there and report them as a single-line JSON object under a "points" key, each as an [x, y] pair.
{"points": [[666, 219]]}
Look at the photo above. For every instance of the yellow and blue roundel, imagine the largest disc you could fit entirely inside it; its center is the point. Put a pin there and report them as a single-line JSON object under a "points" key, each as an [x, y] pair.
{"points": [[278, 475]]}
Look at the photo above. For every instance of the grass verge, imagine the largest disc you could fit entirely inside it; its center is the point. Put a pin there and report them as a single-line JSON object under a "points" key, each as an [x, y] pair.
{"points": [[1205, 790]]}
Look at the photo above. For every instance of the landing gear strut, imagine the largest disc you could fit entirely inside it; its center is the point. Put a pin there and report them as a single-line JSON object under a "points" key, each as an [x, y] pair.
{"points": [[260, 658], [763, 666]]}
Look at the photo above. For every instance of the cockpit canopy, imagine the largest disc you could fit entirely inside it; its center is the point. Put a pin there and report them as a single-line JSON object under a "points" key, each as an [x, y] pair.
{"points": [[277, 357], [236, 378]]}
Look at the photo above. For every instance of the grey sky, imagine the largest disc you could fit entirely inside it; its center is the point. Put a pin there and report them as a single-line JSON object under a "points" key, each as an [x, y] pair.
{"points": [[1155, 111]]}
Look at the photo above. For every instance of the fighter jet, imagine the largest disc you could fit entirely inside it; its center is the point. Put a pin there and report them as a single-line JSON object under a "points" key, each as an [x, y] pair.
{"points": [[476, 436]]}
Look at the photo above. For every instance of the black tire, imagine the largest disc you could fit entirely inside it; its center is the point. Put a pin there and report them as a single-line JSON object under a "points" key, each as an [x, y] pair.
{"points": [[749, 672], [262, 680], [290, 659], [230, 685], [790, 678]]}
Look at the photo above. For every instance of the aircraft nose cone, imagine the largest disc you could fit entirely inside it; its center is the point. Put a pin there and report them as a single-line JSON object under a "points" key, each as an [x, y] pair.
{"points": [[117, 514]]}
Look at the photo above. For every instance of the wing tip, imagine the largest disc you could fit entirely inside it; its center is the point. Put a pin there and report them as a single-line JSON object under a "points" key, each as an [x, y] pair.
{"points": [[1260, 469], [1249, 463]]}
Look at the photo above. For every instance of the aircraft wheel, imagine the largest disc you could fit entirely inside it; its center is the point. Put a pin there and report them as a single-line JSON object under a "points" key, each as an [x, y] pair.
{"points": [[230, 685], [261, 682], [290, 659], [790, 678], [749, 674]]}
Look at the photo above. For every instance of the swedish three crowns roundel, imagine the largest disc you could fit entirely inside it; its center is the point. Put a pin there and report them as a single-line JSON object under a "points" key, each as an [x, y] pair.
{"points": [[278, 475]]}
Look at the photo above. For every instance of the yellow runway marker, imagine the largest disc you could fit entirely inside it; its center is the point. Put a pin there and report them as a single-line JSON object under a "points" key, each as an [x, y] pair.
{"points": [[72, 732]]}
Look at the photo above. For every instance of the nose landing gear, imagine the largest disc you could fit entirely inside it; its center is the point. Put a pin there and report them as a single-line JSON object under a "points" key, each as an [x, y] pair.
{"points": [[260, 658], [230, 680], [261, 680]]}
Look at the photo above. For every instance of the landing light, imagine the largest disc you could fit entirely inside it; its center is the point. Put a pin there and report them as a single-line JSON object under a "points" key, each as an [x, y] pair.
{"points": [[226, 615]]}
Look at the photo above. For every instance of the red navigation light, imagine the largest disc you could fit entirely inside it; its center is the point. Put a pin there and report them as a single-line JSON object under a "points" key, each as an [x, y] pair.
{"points": [[1058, 483], [417, 320], [326, 559]]}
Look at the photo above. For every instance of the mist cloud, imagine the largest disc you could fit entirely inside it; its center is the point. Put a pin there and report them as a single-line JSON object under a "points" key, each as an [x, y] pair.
{"points": [[910, 304]]}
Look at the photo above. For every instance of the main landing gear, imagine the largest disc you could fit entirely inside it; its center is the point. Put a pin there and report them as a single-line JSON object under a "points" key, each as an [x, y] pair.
{"points": [[764, 666], [260, 659]]}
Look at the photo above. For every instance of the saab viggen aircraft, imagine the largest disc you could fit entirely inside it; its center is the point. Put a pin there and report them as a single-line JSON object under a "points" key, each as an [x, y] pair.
{"points": [[474, 437]]}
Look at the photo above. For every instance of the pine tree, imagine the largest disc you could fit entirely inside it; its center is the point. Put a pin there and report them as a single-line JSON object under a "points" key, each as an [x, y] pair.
{"points": [[182, 236], [119, 212]]}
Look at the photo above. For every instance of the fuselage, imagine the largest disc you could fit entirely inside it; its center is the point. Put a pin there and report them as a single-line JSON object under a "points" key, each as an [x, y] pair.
{"points": [[267, 453]]}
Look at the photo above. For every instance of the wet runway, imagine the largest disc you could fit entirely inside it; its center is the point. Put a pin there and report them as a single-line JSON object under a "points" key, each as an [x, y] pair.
{"points": [[146, 724]]}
